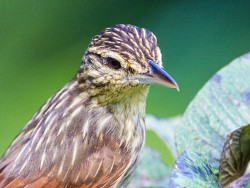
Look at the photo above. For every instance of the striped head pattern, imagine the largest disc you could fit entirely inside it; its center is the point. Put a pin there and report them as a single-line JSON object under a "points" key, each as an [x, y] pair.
{"points": [[114, 57]]}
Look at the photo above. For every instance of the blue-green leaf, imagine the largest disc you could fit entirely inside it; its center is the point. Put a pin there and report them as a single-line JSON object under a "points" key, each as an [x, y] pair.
{"points": [[220, 107], [192, 170]]}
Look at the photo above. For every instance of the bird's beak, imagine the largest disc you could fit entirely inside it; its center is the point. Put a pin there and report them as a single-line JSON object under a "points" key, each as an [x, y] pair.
{"points": [[156, 75]]}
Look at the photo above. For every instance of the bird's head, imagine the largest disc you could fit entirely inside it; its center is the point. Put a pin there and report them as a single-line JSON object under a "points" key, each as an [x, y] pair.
{"points": [[122, 60]]}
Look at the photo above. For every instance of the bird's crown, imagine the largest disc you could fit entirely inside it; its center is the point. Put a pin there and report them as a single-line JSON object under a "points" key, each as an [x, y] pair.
{"points": [[130, 45]]}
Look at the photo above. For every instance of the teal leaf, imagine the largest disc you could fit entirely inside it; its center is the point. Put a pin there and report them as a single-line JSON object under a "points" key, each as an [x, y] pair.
{"points": [[192, 170], [235, 155], [220, 107]]}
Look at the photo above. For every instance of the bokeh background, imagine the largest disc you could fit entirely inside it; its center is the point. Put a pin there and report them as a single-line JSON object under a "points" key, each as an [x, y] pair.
{"points": [[42, 43]]}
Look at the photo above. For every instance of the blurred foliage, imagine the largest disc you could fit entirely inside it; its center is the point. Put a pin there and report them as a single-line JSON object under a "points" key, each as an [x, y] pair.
{"points": [[152, 171], [42, 43], [159, 155]]}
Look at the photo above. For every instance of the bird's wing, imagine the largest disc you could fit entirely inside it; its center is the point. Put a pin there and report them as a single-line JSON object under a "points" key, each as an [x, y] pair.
{"points": [[62, 146], [95, 166], [102, 168]]}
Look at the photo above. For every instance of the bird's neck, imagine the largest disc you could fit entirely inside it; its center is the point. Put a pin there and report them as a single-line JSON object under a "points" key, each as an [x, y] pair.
{"points": [[130, 113], [128, 110], [127, 107], [130, 107]]}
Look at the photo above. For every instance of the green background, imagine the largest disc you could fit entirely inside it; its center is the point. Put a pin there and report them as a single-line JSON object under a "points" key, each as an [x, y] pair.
{"points": [[42, 43]]}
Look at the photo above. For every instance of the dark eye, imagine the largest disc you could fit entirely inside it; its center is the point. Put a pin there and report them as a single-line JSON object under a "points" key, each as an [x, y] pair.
{"points": [[113, 63]]}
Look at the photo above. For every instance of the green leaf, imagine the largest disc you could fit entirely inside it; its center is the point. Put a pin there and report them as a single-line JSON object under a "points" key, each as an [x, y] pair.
{"points": [[221, 106], [192, 170], [154, 141], [235, 155]]}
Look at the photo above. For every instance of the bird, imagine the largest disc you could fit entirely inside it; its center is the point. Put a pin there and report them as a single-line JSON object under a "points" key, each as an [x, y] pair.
{"points": [[91, 132]]}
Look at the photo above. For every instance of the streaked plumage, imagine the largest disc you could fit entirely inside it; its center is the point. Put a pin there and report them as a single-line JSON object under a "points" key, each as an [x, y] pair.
{"points": [[91, 132]]}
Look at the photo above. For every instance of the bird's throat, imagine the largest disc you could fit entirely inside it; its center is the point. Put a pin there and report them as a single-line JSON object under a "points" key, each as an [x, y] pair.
{"points": [[130, 113]]}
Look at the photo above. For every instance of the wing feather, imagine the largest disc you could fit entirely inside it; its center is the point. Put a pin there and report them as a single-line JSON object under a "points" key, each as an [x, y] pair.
{"points": [[69, 149], [98, 177]]}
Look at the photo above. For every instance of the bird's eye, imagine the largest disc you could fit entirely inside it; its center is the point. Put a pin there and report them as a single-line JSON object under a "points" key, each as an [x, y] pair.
{"points": [[113, 63]]}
